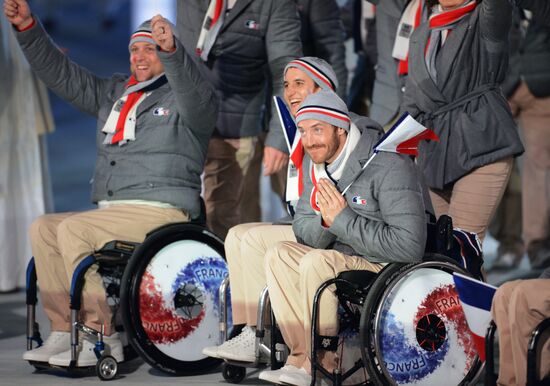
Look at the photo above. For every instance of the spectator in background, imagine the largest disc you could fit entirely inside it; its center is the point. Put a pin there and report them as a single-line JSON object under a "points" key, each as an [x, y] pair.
{"points": [[363, 32], [456, 63], [25, 118], [322, 35], [528, 90], [242, 47]]}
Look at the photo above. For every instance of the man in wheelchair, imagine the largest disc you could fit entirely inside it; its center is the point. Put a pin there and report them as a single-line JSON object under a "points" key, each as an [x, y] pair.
{"points": [[381, 219], [152, 135]]}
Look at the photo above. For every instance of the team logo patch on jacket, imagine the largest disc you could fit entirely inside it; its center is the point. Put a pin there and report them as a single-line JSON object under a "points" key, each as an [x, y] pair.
{"points": [[161, 112], [359, 200], [252, 24]]}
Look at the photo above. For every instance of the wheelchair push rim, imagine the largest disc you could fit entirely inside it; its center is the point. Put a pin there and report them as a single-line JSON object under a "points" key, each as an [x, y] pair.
{"points": [[169, 298], [413, 329]]}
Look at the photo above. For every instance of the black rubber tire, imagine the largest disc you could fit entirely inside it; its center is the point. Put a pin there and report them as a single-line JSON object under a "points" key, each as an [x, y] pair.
{"points": [[129, 299], [233, 374], [385, 278]]}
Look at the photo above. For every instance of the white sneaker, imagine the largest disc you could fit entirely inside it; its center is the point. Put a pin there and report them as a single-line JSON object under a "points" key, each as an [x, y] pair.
{"points": [[57, 342], [299, 377], [274, 376], [241, 348], [86, 355]]}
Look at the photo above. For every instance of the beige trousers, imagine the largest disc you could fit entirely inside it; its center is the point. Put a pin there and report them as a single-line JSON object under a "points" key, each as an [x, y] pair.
{"points": [[472, 200], [533, 114], [294, 272], [518, 307], [245, 248], [61, 241]]}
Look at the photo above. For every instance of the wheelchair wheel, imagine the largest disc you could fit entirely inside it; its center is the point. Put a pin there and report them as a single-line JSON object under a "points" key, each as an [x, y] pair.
{"points": [[413, 330], [169, 298]]}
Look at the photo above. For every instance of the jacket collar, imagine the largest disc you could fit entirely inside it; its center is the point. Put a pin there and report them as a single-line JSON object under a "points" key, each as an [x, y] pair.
{"points": [[239, 7]]}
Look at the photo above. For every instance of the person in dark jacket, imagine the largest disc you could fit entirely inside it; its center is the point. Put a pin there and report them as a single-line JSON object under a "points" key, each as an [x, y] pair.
{"points": [[242, 47], [528, 88], [457, 61], [153, 129], [322, 36]]}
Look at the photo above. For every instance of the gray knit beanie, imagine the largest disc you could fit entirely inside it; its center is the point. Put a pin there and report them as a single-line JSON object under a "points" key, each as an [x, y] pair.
{"points": [[142, 34], [324, 106], [318, 70]]}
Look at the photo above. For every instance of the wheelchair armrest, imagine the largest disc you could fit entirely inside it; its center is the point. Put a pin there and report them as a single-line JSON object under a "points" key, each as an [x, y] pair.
{"points": [[358, 279], [538, 338], [116, 251]]}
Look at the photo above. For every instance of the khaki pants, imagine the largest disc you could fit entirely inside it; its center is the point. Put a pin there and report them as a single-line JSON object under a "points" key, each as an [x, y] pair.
{"points": [[506, 226], [533, 115], [518, 307], [294, 272], [61, 241], [245, 248], [472, 200], [227, 163]]}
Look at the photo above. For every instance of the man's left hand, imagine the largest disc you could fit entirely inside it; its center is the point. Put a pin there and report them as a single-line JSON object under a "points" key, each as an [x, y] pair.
{"points": [[330, 200], [162, 33], [274, 160]]}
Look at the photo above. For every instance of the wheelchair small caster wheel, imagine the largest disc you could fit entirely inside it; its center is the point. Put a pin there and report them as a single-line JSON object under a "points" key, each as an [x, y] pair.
{"points": [[233, 374], [106, 368]]}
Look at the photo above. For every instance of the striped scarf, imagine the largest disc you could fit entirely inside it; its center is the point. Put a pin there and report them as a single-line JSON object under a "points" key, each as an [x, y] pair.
{"points": [[441, 23], [211, 26], [410, 20], [120, 126]]}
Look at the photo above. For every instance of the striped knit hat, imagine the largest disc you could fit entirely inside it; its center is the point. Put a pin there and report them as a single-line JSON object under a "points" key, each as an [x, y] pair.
{"points": [[142, 34], [318, 70], [324, 106]]}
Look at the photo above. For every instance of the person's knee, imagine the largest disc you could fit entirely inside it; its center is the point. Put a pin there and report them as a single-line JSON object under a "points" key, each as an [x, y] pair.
{"points": [[41, 228], [274, 254]]}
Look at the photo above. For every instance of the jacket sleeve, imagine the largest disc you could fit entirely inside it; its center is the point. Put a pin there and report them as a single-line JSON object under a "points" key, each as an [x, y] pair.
{"points": [[283, 43], [307, 225], [495, 20], [328, 35], [540, 9], [71, 82], [401, 235], [195, 98]]}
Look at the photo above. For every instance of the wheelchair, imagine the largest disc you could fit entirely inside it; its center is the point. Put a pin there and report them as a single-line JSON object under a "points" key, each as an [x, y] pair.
{"points": [[166, 294], [401, 326]]}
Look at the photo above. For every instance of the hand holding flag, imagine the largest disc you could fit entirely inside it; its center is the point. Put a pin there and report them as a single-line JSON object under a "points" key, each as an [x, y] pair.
{"points": [[402, 138]]}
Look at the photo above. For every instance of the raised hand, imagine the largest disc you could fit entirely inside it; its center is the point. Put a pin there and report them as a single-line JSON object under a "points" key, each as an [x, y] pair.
{"points": [[18, 13], [162, 33]]}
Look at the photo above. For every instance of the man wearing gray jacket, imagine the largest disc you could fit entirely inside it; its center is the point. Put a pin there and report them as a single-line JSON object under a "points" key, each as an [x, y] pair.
{"points": [[380, 219], [152, 134]]}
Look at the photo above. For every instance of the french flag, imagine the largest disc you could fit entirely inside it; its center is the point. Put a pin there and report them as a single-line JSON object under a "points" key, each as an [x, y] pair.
{"points": [[404, 136], [294, 184], [476, 298]]}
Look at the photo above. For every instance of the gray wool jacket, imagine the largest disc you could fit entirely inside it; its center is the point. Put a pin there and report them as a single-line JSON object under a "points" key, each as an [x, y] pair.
{"points": [[390, 227], [166, 160], [323, 36], [257, 40], [388, 85], [465, 105]]}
